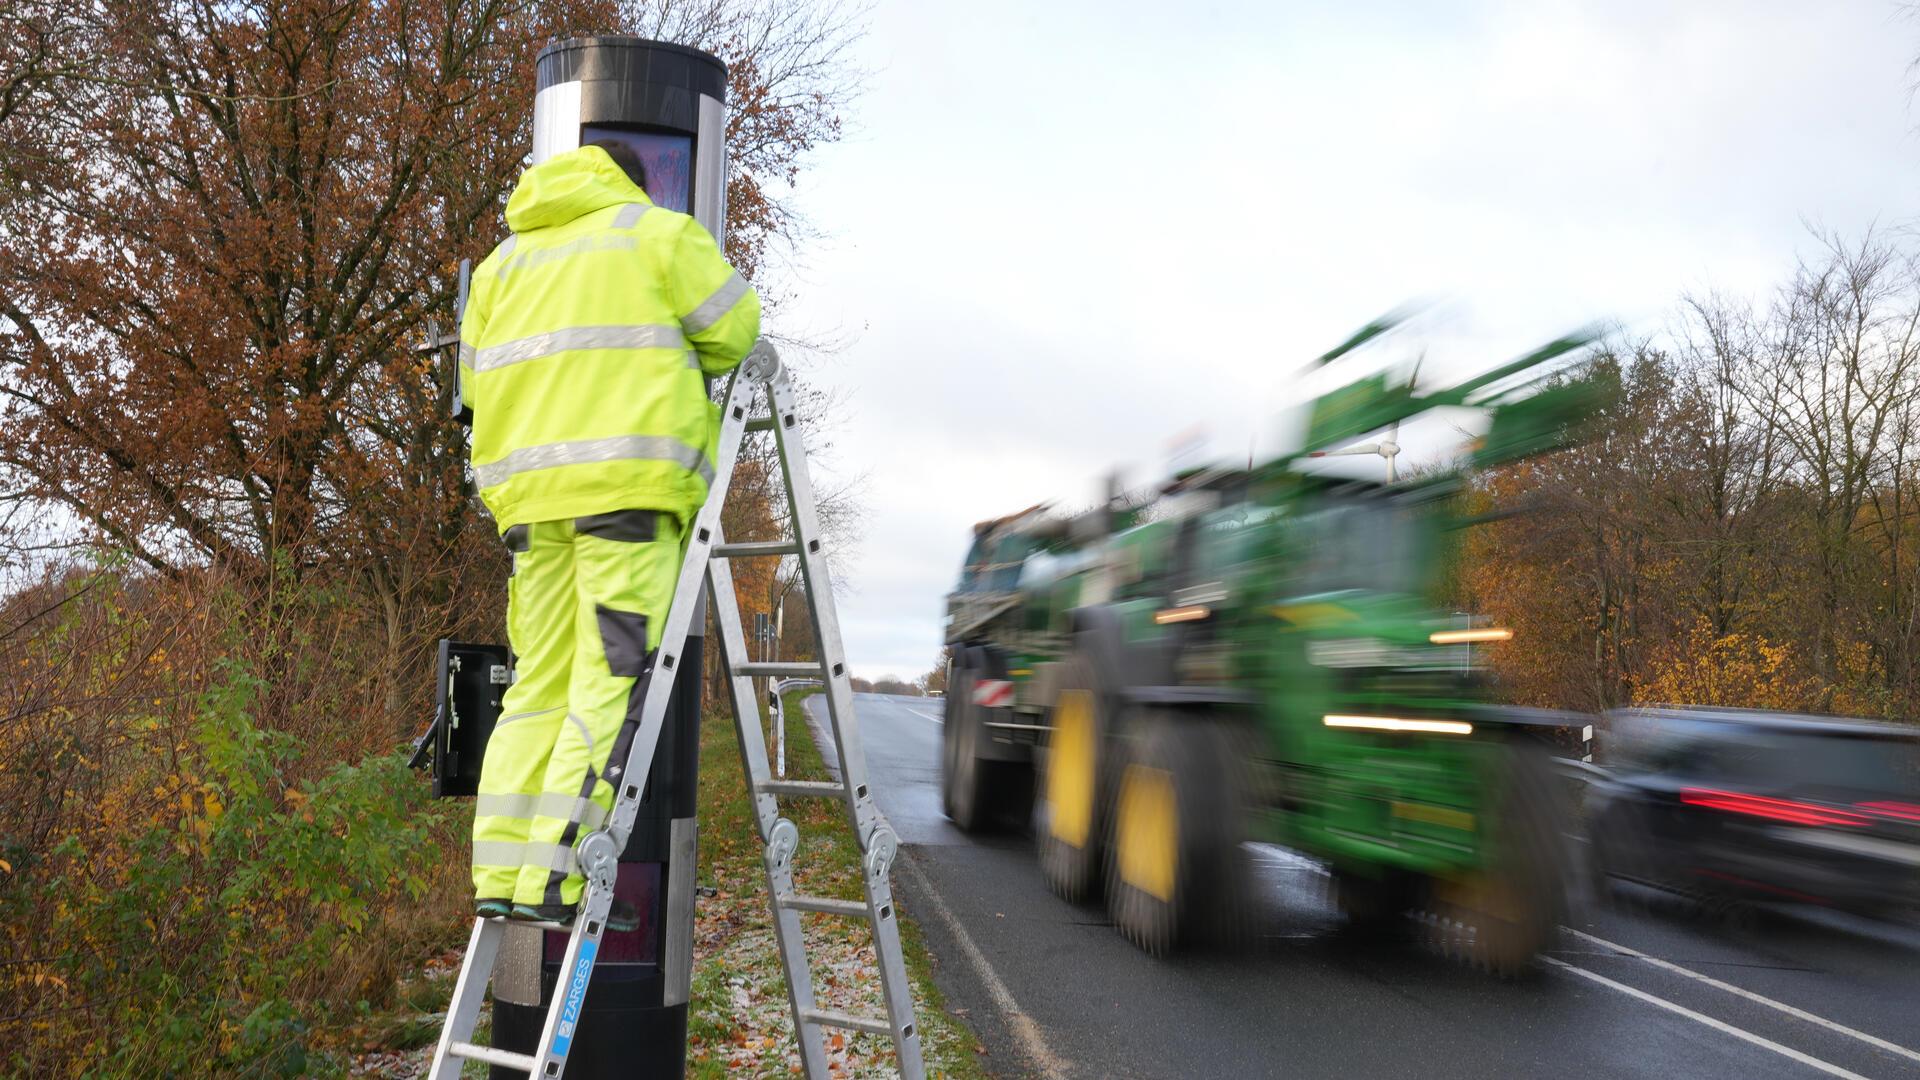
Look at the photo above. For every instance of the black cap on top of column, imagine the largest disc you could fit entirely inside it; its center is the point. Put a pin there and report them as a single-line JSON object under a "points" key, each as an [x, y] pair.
{"points": [[630, 80]]}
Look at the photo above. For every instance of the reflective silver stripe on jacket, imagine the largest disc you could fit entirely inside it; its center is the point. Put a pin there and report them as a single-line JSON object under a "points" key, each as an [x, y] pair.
{"points": [[713, 307], [629, 215], [584, 451], [559, 807], [506, 246], [643, 336], [605, 240], [467, 352]]}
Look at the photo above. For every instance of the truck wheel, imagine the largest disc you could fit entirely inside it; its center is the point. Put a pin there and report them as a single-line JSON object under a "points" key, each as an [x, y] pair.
{"points": [[1073, 788], [1175, 864], [1501, 918], [968, 785]]}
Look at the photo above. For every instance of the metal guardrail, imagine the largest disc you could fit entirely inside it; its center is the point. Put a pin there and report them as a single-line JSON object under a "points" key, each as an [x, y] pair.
{"points": [[775, 691], [1578, 769]]}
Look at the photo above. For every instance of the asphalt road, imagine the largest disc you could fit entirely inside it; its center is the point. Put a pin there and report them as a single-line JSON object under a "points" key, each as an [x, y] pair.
{"points": [[1052, 989]]}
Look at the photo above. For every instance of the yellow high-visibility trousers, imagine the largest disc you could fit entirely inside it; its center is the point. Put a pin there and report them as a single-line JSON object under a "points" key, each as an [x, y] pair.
{"points": [[586, 606]]}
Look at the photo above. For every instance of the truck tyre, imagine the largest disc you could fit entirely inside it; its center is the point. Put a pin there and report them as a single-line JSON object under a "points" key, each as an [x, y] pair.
{"points": [[1176, 870], [1502, 918], [970, 789], [1073, 788]]}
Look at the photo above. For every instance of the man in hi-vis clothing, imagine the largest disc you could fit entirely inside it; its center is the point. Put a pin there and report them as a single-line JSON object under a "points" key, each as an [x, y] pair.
{"points": [[583, 348]]}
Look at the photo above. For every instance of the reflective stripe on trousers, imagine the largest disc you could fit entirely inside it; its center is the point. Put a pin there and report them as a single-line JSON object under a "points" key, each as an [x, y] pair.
{"points": [[508, 853], [545, 804]]}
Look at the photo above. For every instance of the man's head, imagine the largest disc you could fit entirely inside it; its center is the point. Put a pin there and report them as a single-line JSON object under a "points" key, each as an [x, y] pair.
{"points": [[623, 156]]}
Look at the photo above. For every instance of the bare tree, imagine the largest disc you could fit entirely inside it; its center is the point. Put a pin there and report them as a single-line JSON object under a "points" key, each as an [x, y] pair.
{"points": [[1831, 383]]}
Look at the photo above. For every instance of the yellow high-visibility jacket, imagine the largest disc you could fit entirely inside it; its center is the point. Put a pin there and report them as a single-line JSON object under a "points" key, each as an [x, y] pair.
{"points": [[585, 337]]}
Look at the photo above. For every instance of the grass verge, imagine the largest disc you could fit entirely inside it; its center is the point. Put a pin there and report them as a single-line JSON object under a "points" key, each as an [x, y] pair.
{"points": [[739, 1021]]}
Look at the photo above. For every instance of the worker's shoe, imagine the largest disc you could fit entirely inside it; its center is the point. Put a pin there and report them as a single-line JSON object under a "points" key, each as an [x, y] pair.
{"points": [[493, 907], [621, 915]]}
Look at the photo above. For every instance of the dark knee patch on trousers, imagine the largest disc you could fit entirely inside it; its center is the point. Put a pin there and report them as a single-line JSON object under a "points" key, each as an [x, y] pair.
{"points": [[623, 637], [630, 526]]}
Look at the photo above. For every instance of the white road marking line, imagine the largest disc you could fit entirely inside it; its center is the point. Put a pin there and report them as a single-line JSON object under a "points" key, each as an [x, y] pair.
{"points": [[1665, 965], [1702, 1018], [924, 716], [1033, 1044]]}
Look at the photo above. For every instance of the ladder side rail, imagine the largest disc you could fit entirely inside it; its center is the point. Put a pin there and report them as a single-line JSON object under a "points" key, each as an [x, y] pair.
{"points": [[781, 837], [883, 917], [570, 994], [463, 1011], [826, 624], [878, 843], [686, 597]]}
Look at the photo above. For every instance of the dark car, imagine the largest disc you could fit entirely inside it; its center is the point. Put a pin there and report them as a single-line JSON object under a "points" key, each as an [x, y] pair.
{"points": [[1747, 805]]}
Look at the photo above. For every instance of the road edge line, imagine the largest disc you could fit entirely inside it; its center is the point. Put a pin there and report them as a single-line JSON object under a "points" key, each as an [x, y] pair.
{"points": [[1033, 1045], [1702, 1018], [1739, 991]]}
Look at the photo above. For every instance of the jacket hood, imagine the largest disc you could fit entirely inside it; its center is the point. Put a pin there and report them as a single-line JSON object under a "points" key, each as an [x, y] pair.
{"points": [[565, 186]]}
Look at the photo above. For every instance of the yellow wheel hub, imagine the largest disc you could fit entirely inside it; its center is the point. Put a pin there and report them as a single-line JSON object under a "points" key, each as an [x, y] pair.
{"points": [[1070, 769], [1148, 831]]}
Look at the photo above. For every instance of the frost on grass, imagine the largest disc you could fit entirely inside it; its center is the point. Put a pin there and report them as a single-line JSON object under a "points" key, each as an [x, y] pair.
{"points": [[742, 1023]]}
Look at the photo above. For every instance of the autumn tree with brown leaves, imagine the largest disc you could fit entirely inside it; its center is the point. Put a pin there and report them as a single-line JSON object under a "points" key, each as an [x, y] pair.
{"points": [[226, 230], [233, 511], [1740, 530]]}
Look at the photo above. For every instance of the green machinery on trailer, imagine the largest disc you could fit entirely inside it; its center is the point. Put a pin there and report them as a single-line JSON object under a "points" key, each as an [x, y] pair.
{"points": [[1256, 655]]}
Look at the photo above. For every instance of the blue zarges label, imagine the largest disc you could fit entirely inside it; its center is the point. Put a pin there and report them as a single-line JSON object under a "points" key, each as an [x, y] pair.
{"points": [[576, 996]]}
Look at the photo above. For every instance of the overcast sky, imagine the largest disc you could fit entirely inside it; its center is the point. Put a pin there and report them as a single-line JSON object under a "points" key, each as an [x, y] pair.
{"points": [[1062, 235]]}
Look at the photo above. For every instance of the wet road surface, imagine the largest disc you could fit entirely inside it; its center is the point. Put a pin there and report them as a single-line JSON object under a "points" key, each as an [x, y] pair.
{"points": [[1661, 991]]}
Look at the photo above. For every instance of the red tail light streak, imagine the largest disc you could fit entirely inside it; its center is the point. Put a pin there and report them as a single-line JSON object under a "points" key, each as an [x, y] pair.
{"points": [[1797, 813]]}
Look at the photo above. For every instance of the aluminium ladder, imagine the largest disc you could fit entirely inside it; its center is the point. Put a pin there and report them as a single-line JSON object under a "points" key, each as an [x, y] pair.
{"points": [[598, 852]]}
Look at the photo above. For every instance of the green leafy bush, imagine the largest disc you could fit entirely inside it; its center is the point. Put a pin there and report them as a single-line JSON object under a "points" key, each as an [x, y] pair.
{"points": [[212, 941]]}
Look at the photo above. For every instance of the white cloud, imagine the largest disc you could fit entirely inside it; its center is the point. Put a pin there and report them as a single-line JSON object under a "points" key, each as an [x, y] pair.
{"points": [[1067, 232]]}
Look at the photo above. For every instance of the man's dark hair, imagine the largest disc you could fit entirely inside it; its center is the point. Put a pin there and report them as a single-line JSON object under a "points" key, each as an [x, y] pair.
{"points": [[623, 156]]}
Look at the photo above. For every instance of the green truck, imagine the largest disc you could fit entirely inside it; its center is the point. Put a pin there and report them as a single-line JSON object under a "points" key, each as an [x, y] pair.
{"points": [[1257, 654]]}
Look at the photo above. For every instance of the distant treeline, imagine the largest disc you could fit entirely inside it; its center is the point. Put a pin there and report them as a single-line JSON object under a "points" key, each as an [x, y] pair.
{"points": [[1740, 530]]}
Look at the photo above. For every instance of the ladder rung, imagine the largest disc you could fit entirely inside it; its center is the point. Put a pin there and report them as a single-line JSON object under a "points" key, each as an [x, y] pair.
{"points": [[537, 924], [825, 788], [824, 905], [762, 422], [476, 1052], [848, 1021], [763, 667], [753, 549]]}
